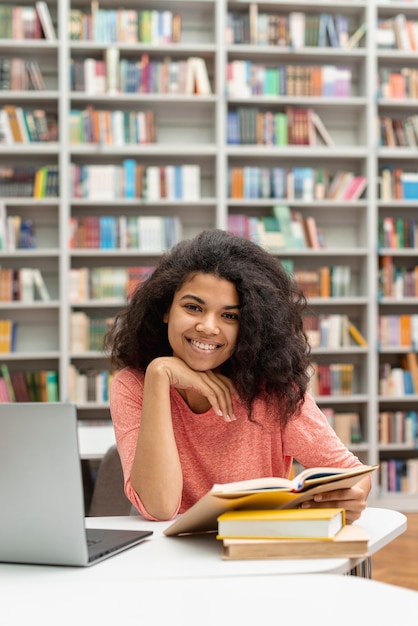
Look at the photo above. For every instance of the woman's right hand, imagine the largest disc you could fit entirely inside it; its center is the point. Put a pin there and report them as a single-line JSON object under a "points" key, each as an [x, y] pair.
{"points": [[216, 388]]}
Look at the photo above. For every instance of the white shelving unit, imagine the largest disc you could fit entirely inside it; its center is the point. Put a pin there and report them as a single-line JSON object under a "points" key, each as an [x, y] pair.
{"points": [[193, 129]]}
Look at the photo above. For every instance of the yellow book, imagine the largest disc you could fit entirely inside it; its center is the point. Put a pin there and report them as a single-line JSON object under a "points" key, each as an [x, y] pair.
{"points": [[356, 334], [281, 524]]}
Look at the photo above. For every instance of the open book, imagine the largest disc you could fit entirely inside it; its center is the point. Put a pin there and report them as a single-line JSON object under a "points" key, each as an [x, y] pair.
{"points": [[264, 493]]}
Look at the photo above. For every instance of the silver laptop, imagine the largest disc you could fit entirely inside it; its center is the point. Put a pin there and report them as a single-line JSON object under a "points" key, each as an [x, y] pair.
{"points": [[41, 491]]}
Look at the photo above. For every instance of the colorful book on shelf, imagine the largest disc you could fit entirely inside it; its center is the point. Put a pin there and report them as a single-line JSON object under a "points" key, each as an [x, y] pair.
{"points": [[281, 523], [46, 20], [354, 188], [354, 39], [321, 129], [263, 493], [5, 373], [355, 333], [352, 541]]}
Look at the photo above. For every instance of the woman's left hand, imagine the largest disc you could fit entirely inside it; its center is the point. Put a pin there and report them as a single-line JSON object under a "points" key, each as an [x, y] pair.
{"points": [[353, 500]]}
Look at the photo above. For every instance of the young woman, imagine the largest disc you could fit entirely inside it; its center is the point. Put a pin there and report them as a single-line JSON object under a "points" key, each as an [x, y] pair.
{"points": [[213, 370]]}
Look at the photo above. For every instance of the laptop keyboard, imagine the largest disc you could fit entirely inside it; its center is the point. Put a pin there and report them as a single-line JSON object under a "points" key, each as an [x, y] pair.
{"points": [[92, 542]]}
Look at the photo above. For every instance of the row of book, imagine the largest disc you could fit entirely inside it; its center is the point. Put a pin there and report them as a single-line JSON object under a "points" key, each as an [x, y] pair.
{"points": [[134, 180], [111, 127], [286, 229], [397, 33], [21, 125], [399, 83], [16, 232], [29, 181], [347, 425], [90, 385], [87, 332], [25, 284], [332, 330], [113, 75], [395, 183], [17, 74], [26, 21], [145, 233], [398, 131], [399, 380], [294, 183], [28, 386], [115, 284], [296, 29], [397, 281], [246, 79], [398, 331], [398, 427], [398, 232], [293, 126], [126, 26], [327, 281], [398, 476], [333, 379]]}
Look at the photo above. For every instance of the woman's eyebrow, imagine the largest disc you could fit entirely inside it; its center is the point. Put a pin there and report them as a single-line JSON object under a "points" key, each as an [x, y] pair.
{"points": [[189, 296]]}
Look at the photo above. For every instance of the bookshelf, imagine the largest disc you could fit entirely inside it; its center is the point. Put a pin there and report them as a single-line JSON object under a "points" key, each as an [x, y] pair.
{"points": [[397, 301], [184, 164]]}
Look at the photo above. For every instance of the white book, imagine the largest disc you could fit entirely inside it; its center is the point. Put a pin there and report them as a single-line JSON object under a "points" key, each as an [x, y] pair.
{"points": [[40, 285], [142, 128], [191, 182], [151, 233], [153, 182], [335, 333], [90, 86], [167, 27], [297, 29], [101, 182], [253, 12], [201, 77], [321, 129], [79, 331], [26, 284], [112, 70], [356, 37], [6, 135], [20, 116], [81, 388], [238, 86], [117, 128], [12, 231], [170, 182], [46, 20]]}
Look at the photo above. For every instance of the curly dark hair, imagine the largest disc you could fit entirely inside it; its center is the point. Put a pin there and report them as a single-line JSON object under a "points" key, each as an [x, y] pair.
{"points": [[272, 355]]}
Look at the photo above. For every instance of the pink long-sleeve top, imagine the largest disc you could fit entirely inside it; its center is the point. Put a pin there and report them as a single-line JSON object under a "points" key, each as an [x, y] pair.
{"points": [[214, 451]]}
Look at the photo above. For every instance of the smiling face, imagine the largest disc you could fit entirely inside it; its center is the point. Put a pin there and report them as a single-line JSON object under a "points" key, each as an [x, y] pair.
{"points": [[203, 321]]}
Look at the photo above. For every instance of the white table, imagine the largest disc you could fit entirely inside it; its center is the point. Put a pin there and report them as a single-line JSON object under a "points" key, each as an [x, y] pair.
{"points": [[316, 600], [199, 556]]}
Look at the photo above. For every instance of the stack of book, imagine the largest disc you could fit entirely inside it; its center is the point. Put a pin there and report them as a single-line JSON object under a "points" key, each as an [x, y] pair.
{"points": [[289, 533]]}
